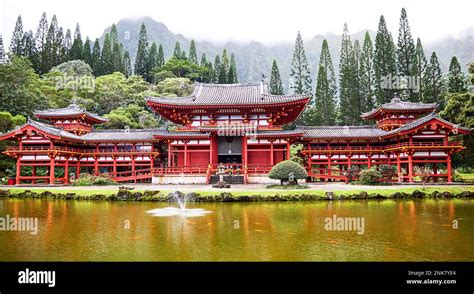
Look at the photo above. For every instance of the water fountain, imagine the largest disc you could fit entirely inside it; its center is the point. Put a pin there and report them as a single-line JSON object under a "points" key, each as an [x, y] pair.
{"points": [[178, 211]]}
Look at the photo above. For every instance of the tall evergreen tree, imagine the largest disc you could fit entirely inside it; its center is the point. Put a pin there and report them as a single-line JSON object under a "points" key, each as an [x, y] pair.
{"points": [[224, 68], [419, 69], [405, 52], [348, 89], [151, 61], [367, 75], [433, 81], [300, 72], [114, 34], [325, 113], [276, 87], [232, 75], [142, 52], [17, 37], [95, 59], [106, 58], [192, 53], [384, 63], [87, 54], [217, 66], [77, 46], [29, 47], [209, 76], [60, 45], [117, 57], [51, 46], [160, 59], [40, 40], [326, 61], [203, 60], [66, 46], [2, 51], [127, 65], [456, 78], [177, 50]]}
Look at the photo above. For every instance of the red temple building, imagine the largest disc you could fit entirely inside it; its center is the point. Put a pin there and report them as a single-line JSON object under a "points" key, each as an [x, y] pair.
{"points": [[240, 126]]}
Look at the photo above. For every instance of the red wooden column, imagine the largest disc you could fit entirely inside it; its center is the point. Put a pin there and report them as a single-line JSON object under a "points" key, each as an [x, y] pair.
{"points": [[369, 161], [272, 159], [114, 166], [169, 153], [329, 166], [18, 169], [288, 149], [133, 168], [244, 150], [399, 168], [66, 171], [51, 169], [435, 171], [78, 167], [449, 167], [96, 165], [185, 154], [410, 167]]}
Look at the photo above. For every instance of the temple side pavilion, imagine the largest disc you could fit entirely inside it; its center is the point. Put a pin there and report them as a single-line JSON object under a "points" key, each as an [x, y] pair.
{"points": [[240, 126]]}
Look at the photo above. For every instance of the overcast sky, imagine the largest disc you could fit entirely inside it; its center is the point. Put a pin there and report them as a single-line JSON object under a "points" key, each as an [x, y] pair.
{"points": [[267, 21]]}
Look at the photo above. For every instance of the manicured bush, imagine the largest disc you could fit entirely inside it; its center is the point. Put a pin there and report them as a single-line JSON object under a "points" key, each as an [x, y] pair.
{"points": [[91, 180], [284, 169], [387, 171], [370, 177]]}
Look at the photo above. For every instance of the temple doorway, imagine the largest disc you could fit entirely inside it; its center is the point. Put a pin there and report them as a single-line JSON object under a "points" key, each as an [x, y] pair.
{"points": [[229, 150]]}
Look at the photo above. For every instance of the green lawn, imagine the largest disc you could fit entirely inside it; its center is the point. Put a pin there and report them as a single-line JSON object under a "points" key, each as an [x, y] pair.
{"points": [[381, 191], [467, 177]]}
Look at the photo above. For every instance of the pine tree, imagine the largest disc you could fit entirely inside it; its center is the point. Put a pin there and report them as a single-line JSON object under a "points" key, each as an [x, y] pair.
{"points": [[2, 51], [77, 46], [433, 81], [203, 60], [217, 66], [300, 74], [117, 57], [456, 78], [106, 58], [384, 63], [50, 46], [209, 75], [405, 52], [348, 89], [326, 61], [160, 59], [192, 53], [142, 52], [16, 47], [224, 68], [367, 75], [276, 87], [419, 69], [177, 50], [40, 40], [59, 45], [66, 46], [127, 65], [113, 34], [29, 47], [232, 75], [87, 54], [325, 104], [151, 61], [95, 59]]}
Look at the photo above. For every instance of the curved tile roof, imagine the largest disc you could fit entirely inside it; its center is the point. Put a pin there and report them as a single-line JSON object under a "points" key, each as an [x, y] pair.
{"points": [[341, 131], [228, 94], [398, 104], [71, 110]]}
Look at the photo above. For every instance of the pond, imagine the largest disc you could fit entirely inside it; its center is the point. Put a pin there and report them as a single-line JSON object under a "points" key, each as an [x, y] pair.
{"points": [[389, 230]]}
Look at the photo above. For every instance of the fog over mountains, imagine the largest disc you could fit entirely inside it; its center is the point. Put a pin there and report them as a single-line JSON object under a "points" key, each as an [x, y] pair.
{"points": [[254, 59]]}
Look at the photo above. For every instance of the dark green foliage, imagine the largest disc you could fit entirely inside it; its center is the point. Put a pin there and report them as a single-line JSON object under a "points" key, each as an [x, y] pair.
{"points": [[325, 104], [106, 57], [160, 59], [419, 70], [127, 64], [456, 78], [367, 75], [87, 54], [192, 53], [177, 51], [300, 72], [91, 180], [96, 64], [16, 46], [76, 51], [283, 170], [384, 62], [151, 60], [370, 177], [142, 52], [276, 87], [434, 86]]}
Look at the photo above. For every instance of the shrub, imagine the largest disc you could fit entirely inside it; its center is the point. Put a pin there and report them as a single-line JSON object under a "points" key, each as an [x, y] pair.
{"points": [[284, 169], [370, 176], [387, 171], [91, 180]]}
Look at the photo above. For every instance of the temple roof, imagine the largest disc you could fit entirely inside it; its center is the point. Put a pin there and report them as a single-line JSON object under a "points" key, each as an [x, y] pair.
{"points": [[72, 110], [120, 135], [396, 104], [228, 95], [341, 132]]}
